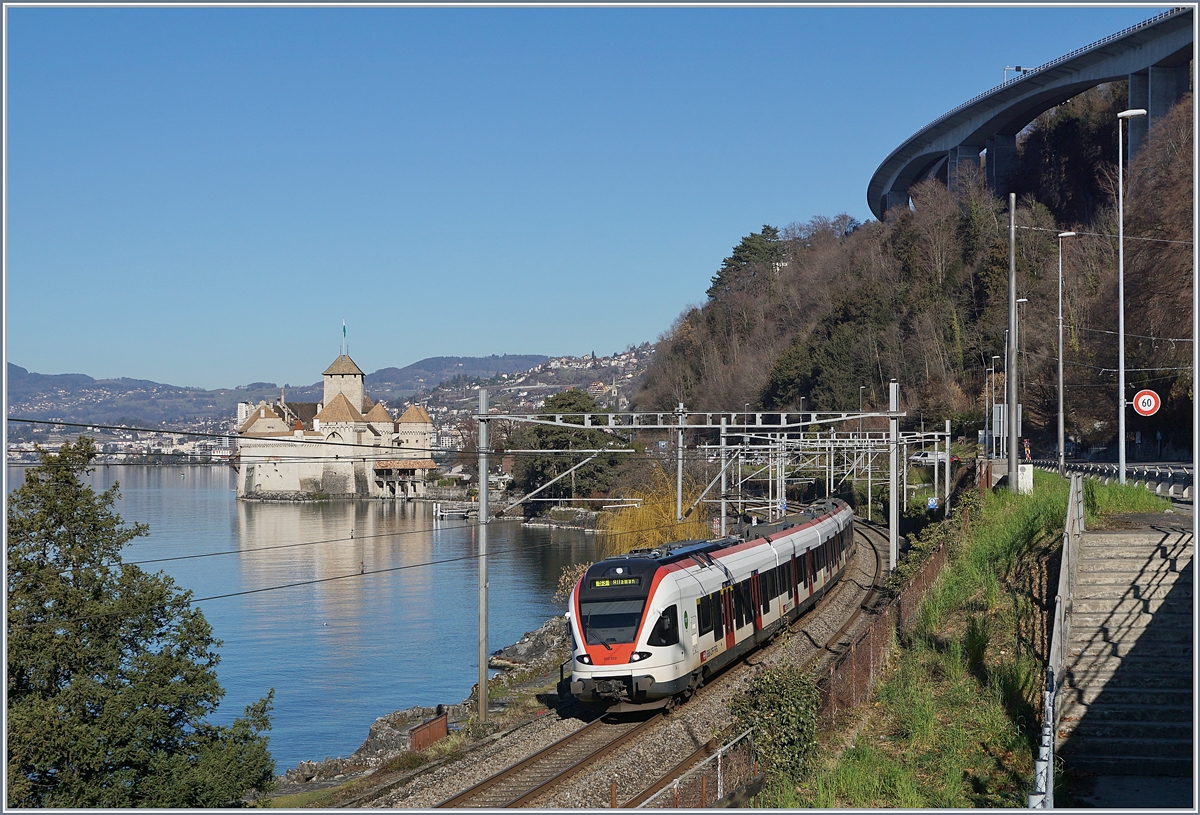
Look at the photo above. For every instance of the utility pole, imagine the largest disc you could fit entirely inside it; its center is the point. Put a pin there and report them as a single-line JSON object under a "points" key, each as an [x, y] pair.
{"points": [[893, 470], [679, 466], [947, 467], [869, 516], [935, 465], [1010, 377], [483, 564], [723, 478]]}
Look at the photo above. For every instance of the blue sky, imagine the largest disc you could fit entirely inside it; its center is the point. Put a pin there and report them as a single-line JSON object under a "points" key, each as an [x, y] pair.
{"points": [[200, 196]]}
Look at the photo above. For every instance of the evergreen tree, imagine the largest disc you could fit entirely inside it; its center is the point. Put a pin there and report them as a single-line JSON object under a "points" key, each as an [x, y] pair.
{"points": [[111, 673], [532, 470], [753, 261]]}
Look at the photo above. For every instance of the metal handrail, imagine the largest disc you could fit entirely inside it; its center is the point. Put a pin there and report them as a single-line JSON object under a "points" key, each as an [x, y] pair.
{"points": [[1042, 796], [1180, 474], [699, 768]]}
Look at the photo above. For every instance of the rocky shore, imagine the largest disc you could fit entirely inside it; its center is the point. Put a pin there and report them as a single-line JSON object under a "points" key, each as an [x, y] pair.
{"points": [[567, 518], [533, 658]]}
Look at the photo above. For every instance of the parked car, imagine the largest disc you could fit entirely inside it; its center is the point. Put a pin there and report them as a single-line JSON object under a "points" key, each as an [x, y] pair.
{"points": [[926, 458]]}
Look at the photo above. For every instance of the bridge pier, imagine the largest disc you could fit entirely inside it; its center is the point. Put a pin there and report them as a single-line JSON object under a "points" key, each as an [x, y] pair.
{"points": [[957, 159], [1001, 163], [1155, 89], [895, 198]]}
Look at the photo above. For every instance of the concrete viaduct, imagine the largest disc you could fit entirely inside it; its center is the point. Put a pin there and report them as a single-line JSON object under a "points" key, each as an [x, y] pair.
{"points": [[1155, 56]]}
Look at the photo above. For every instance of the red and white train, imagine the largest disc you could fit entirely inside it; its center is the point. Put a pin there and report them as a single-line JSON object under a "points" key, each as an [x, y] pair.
{"points": [[648, 627]]}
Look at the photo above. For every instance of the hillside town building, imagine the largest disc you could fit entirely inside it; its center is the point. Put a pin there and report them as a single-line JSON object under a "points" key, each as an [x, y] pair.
{"points": [[345, 446]]}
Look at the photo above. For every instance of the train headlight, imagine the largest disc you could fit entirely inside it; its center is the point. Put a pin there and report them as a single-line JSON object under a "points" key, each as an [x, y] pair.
{"points": [[584, 658], [638, 656]]}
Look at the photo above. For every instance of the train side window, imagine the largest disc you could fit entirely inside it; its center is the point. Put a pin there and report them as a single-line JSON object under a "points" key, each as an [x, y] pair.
{"points": [[718, 614], [704, 614], [743, 607], [666, 630], [765, 587]]}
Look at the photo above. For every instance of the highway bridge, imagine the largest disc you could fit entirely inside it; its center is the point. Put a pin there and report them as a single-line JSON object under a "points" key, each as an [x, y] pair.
{"points": [[1154, 56]]}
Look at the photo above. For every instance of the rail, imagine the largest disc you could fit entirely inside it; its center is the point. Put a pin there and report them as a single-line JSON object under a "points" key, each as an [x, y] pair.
{"points": [[534, 775], [1042, 796]]}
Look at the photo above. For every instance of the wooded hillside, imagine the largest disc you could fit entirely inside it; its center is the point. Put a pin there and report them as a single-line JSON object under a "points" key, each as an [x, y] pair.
{"points": [[814, 310]]}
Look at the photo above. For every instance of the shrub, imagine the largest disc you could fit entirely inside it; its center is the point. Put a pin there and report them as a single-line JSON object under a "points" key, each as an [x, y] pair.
{"points": [[781, 705]]}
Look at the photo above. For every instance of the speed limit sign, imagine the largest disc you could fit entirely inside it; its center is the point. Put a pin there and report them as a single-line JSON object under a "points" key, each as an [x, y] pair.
{"points": [[1146, 403]]}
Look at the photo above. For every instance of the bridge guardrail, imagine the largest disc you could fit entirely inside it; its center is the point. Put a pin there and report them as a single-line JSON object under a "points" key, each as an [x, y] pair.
{"points": [[1057, 61]]}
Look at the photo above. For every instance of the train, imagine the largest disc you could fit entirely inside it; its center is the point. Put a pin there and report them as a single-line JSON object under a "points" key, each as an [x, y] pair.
{"points": [[649, 627]]}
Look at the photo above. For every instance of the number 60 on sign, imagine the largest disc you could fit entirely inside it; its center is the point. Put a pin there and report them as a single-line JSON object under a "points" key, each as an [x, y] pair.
{"points": [[1146, 403]]}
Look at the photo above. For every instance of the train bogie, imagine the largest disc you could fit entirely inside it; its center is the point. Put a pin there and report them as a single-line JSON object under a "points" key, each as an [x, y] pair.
{"points": [[649, 626]]}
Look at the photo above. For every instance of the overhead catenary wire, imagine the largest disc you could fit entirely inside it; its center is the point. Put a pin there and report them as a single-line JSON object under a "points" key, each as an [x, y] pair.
{"points": [[385, 454], [315, 581], [1127, 334], [1106, 235]]}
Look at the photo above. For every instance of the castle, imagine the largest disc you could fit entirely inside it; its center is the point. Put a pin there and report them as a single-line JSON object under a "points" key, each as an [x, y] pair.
{"points": [[345, 446]]}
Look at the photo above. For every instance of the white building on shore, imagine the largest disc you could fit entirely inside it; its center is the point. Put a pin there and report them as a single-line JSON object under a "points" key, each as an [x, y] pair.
{"points": [[345, 446]]}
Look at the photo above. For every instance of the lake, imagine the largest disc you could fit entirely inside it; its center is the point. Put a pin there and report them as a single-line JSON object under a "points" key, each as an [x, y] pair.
{"points": [[342, 652]]}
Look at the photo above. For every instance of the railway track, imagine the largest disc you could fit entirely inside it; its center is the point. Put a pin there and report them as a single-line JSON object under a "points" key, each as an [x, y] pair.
{"points": [[533, 776], [841, 639], [834, 645], [539, 778]]}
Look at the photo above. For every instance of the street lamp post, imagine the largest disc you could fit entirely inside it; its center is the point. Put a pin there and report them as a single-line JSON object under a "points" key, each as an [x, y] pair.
{"points": [[994, 358], [1125, 114], [1017, 343], [988, 375], [1014, 443], [1008, 409], [1062, 456]]}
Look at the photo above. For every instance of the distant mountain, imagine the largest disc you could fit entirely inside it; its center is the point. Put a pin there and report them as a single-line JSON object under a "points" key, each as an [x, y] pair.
{"points": [[428, 373], [81, 398]]}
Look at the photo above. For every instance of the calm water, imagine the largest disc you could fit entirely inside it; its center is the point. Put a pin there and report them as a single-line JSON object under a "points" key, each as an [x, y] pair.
{"points": [[343, 652]]}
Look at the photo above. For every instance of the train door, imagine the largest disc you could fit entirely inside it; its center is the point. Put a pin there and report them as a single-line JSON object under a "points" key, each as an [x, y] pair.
{"points": [[793, 570], [756, 591], [809, 574], [727, 611]]}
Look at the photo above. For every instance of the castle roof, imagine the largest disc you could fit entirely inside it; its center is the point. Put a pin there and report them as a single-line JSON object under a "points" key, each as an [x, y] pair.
{"points": [[379, 413], [339, 409], [415, 415], [304, 411], [343, 365], [269, 420]]}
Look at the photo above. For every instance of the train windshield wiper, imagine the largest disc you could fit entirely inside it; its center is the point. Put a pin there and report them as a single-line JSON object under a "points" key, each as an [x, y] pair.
{"points": [[587, 628]]}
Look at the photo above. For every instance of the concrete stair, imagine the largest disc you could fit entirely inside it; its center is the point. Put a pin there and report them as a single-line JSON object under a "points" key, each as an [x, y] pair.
{"points": [[1126, 704]]}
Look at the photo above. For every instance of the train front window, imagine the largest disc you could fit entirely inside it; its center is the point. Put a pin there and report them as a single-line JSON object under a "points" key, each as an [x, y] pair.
{"points": [[606, 622]]}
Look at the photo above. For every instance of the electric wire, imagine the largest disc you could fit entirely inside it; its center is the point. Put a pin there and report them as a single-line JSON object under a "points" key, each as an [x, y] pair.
{"points": [[1127, 334], [184, 601], [1105, 235]]}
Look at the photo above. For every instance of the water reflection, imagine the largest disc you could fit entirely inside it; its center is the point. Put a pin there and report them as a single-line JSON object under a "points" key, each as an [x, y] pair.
{"points": [[354, 646]]}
